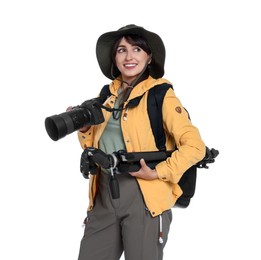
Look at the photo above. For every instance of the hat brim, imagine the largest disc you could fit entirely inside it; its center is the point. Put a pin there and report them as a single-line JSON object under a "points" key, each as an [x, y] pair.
{"points": [[107, 40]]}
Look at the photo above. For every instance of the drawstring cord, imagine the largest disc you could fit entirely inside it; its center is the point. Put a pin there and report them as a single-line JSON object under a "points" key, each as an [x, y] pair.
{"points": [[125, 114], [161, 230]]}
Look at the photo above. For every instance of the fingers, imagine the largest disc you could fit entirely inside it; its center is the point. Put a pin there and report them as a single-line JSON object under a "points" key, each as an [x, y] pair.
{"points": [[143, 163], [145, 172], [141, 170], [85, 128], [69, 108]]}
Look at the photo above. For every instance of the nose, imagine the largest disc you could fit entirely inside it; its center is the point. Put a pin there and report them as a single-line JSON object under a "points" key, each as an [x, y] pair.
{"points": [[128, 55]]}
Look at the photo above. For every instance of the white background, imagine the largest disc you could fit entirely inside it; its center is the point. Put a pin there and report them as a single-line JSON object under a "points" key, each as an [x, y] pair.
{"points": [[48, 62]]}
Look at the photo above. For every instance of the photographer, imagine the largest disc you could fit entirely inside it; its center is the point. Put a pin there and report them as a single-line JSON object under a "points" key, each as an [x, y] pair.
{"points": [[136, 223]]}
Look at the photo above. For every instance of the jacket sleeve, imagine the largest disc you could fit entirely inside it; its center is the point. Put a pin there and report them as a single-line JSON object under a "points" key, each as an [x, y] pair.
{"points": [[190, 148], [86, 139]]}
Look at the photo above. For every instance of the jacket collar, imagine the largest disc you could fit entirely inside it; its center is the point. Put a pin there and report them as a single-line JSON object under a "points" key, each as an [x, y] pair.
{"points": [[139, 89]]}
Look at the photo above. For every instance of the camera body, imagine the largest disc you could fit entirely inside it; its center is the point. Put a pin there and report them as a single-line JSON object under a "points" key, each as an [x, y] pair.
{"points": [[88, 113]]}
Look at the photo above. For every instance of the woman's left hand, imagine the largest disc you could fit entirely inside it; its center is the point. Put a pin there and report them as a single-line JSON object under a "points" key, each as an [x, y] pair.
{"points": [[145, 172]]}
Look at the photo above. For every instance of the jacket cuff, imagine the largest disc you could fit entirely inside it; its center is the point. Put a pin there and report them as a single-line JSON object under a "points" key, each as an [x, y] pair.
{"points": [[162, 172]]}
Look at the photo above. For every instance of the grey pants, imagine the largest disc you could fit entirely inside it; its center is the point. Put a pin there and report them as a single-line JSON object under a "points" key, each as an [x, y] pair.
{"points": [[122, 225]]}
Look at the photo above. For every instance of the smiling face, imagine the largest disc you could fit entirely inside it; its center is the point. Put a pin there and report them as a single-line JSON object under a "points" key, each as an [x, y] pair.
{"points": [[130, 59]]}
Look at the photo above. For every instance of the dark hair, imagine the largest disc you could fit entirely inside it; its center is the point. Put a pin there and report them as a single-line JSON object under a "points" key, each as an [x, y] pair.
{"points": [[133, 39]]}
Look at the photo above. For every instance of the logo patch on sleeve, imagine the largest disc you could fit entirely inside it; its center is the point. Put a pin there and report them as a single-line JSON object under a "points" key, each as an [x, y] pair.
{"points": [[178, 109]]}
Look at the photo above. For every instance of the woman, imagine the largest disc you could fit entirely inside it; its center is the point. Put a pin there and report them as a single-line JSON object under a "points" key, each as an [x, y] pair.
{"points": [[137, 223]]}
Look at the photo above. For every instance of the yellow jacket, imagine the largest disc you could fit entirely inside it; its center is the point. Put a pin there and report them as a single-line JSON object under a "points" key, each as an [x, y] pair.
{"points": [[162, 193]]}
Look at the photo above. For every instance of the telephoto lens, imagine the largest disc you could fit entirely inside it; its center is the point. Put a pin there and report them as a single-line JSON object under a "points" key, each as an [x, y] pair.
{"points": [[89, 113], [58, 126]]}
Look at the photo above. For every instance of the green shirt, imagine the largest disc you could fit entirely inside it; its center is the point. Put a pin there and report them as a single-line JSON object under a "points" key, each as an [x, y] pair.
{"points": [[111, 139]]}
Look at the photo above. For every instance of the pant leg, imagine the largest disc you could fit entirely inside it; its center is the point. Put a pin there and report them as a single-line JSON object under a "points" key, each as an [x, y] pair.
{"points": [[104, 245], [123, 223], [141, 241], [102, 236]]}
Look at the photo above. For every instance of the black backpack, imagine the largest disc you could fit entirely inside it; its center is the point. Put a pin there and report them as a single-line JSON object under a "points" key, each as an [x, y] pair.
{"points": [[155, 99]]}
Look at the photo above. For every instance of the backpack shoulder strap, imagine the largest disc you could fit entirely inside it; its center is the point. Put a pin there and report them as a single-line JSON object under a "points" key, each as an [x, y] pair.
{"points": [[105, 93], [154, 106]]}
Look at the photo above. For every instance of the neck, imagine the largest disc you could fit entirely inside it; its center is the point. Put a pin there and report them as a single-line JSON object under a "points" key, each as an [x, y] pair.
{"points": [[136, 81]]}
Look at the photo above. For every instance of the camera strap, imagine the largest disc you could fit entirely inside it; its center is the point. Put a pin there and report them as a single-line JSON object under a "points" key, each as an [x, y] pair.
{"points": [[105, 93]]}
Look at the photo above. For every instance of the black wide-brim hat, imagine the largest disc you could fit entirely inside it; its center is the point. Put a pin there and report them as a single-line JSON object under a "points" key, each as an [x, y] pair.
{"points": [[107, 40]]}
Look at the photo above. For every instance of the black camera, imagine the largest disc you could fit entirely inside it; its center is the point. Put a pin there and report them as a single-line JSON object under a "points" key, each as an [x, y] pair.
{"points": [[88, 113]]}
